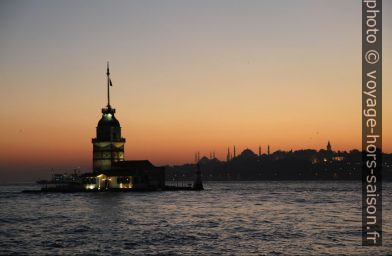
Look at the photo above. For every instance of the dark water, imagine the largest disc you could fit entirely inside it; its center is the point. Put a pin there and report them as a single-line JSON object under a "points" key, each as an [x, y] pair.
{"points": [[249, 218]]}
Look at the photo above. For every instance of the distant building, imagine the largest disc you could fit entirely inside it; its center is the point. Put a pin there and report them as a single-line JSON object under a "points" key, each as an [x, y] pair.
{"points": [[247, 154], [338, 158], [329, 153], [329, 147], [110, 170]]}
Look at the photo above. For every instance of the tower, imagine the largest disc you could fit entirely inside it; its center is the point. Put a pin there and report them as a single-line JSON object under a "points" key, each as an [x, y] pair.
{"points": [[268, 150], [108, 146], [329, 147], [228, 154], [234, 155], [259, 150]]}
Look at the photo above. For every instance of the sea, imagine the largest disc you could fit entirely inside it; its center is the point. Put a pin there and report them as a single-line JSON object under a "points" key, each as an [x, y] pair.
{"points": [[227, 218]]}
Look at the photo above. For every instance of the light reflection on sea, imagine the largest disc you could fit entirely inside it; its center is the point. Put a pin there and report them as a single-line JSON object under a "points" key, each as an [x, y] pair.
{"points": [[246, 218]]}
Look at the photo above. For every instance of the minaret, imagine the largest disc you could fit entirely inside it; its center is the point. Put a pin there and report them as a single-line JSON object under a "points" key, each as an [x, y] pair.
{"points": [[228, 154], [268, 150], [108, 146], [259, 150], [234, 152]]}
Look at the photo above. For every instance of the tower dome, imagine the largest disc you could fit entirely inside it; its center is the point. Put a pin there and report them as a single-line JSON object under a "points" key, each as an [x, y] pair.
{"points": [[108, 118], [108, 128]]}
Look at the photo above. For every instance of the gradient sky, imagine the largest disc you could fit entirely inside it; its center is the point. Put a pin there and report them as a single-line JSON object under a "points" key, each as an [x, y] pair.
{"points": [[188, 76]]}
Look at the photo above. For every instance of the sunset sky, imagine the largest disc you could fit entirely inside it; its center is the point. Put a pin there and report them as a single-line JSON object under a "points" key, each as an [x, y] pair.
{"points": [[187, 76]]}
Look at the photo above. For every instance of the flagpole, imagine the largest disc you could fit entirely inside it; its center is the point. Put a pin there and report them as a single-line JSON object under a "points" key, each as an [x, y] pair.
{"points": [[107, 73]]}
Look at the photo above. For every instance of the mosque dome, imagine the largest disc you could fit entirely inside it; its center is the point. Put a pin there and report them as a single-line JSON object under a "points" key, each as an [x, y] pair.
{"points": [[247, 153]]}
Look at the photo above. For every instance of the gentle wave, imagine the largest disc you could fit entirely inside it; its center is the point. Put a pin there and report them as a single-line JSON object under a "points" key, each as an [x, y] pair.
{"points": [[245, 218]]}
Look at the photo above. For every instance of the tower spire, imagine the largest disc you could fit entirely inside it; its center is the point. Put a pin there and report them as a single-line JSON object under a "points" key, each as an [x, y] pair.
{"points": [[109, 83]]}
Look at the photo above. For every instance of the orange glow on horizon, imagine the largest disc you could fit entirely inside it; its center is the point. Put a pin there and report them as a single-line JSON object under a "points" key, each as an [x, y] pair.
{"points": [[182, 82]]}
